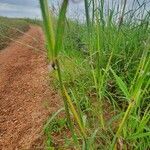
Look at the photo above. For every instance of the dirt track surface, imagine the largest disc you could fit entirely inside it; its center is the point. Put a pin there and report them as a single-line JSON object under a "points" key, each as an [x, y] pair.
{"points": [[26, 100]]}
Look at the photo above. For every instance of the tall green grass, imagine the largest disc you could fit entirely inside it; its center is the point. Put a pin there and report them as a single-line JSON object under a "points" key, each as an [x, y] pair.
{"points": [[103, 69], [54, 46]]}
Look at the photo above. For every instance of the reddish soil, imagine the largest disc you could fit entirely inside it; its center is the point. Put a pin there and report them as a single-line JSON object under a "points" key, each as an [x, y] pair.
{"points": [[26, 99]]}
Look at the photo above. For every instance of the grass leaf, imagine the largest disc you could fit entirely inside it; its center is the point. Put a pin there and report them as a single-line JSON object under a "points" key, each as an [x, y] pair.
{"points": [[121, 85]]}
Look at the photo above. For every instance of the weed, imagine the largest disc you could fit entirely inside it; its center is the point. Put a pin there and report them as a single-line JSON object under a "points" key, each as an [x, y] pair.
{"points": [[114, 70]]}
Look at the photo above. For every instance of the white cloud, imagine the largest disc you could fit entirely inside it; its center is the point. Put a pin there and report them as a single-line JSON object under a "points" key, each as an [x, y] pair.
{"points": [[12, 10], [30, 8]]}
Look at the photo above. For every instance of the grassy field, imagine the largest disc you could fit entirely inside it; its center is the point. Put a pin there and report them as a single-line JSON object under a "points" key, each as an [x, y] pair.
{"points": [[103, 72], [10, 29], [102, 69]]}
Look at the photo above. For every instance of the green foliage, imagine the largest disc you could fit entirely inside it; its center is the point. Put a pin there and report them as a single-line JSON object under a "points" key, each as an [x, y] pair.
{"points": [[104, 67], [10, 29], [54, 45]]}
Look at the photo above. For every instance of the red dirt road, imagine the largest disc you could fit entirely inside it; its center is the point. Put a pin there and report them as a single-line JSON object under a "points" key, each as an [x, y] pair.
{"points": [[26, 100]]}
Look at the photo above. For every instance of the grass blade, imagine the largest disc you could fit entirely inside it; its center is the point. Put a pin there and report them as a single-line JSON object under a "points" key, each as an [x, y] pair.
{"points": [[121, 85]]}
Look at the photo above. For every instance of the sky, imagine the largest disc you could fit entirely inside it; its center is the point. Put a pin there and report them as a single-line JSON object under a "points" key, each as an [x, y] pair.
{"points": [[31, 9]]}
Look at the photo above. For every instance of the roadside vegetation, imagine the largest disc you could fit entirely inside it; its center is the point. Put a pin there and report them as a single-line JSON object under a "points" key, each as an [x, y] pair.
{"points": [[10, 29], [103, 72]]}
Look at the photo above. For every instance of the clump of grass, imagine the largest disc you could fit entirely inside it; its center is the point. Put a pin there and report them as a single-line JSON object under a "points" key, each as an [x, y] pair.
{"points": [[103, 70], [54, 43]]}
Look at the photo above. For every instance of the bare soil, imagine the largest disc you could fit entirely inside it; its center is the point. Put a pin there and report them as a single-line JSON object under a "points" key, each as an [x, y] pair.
{"points": [[26, 99]]}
